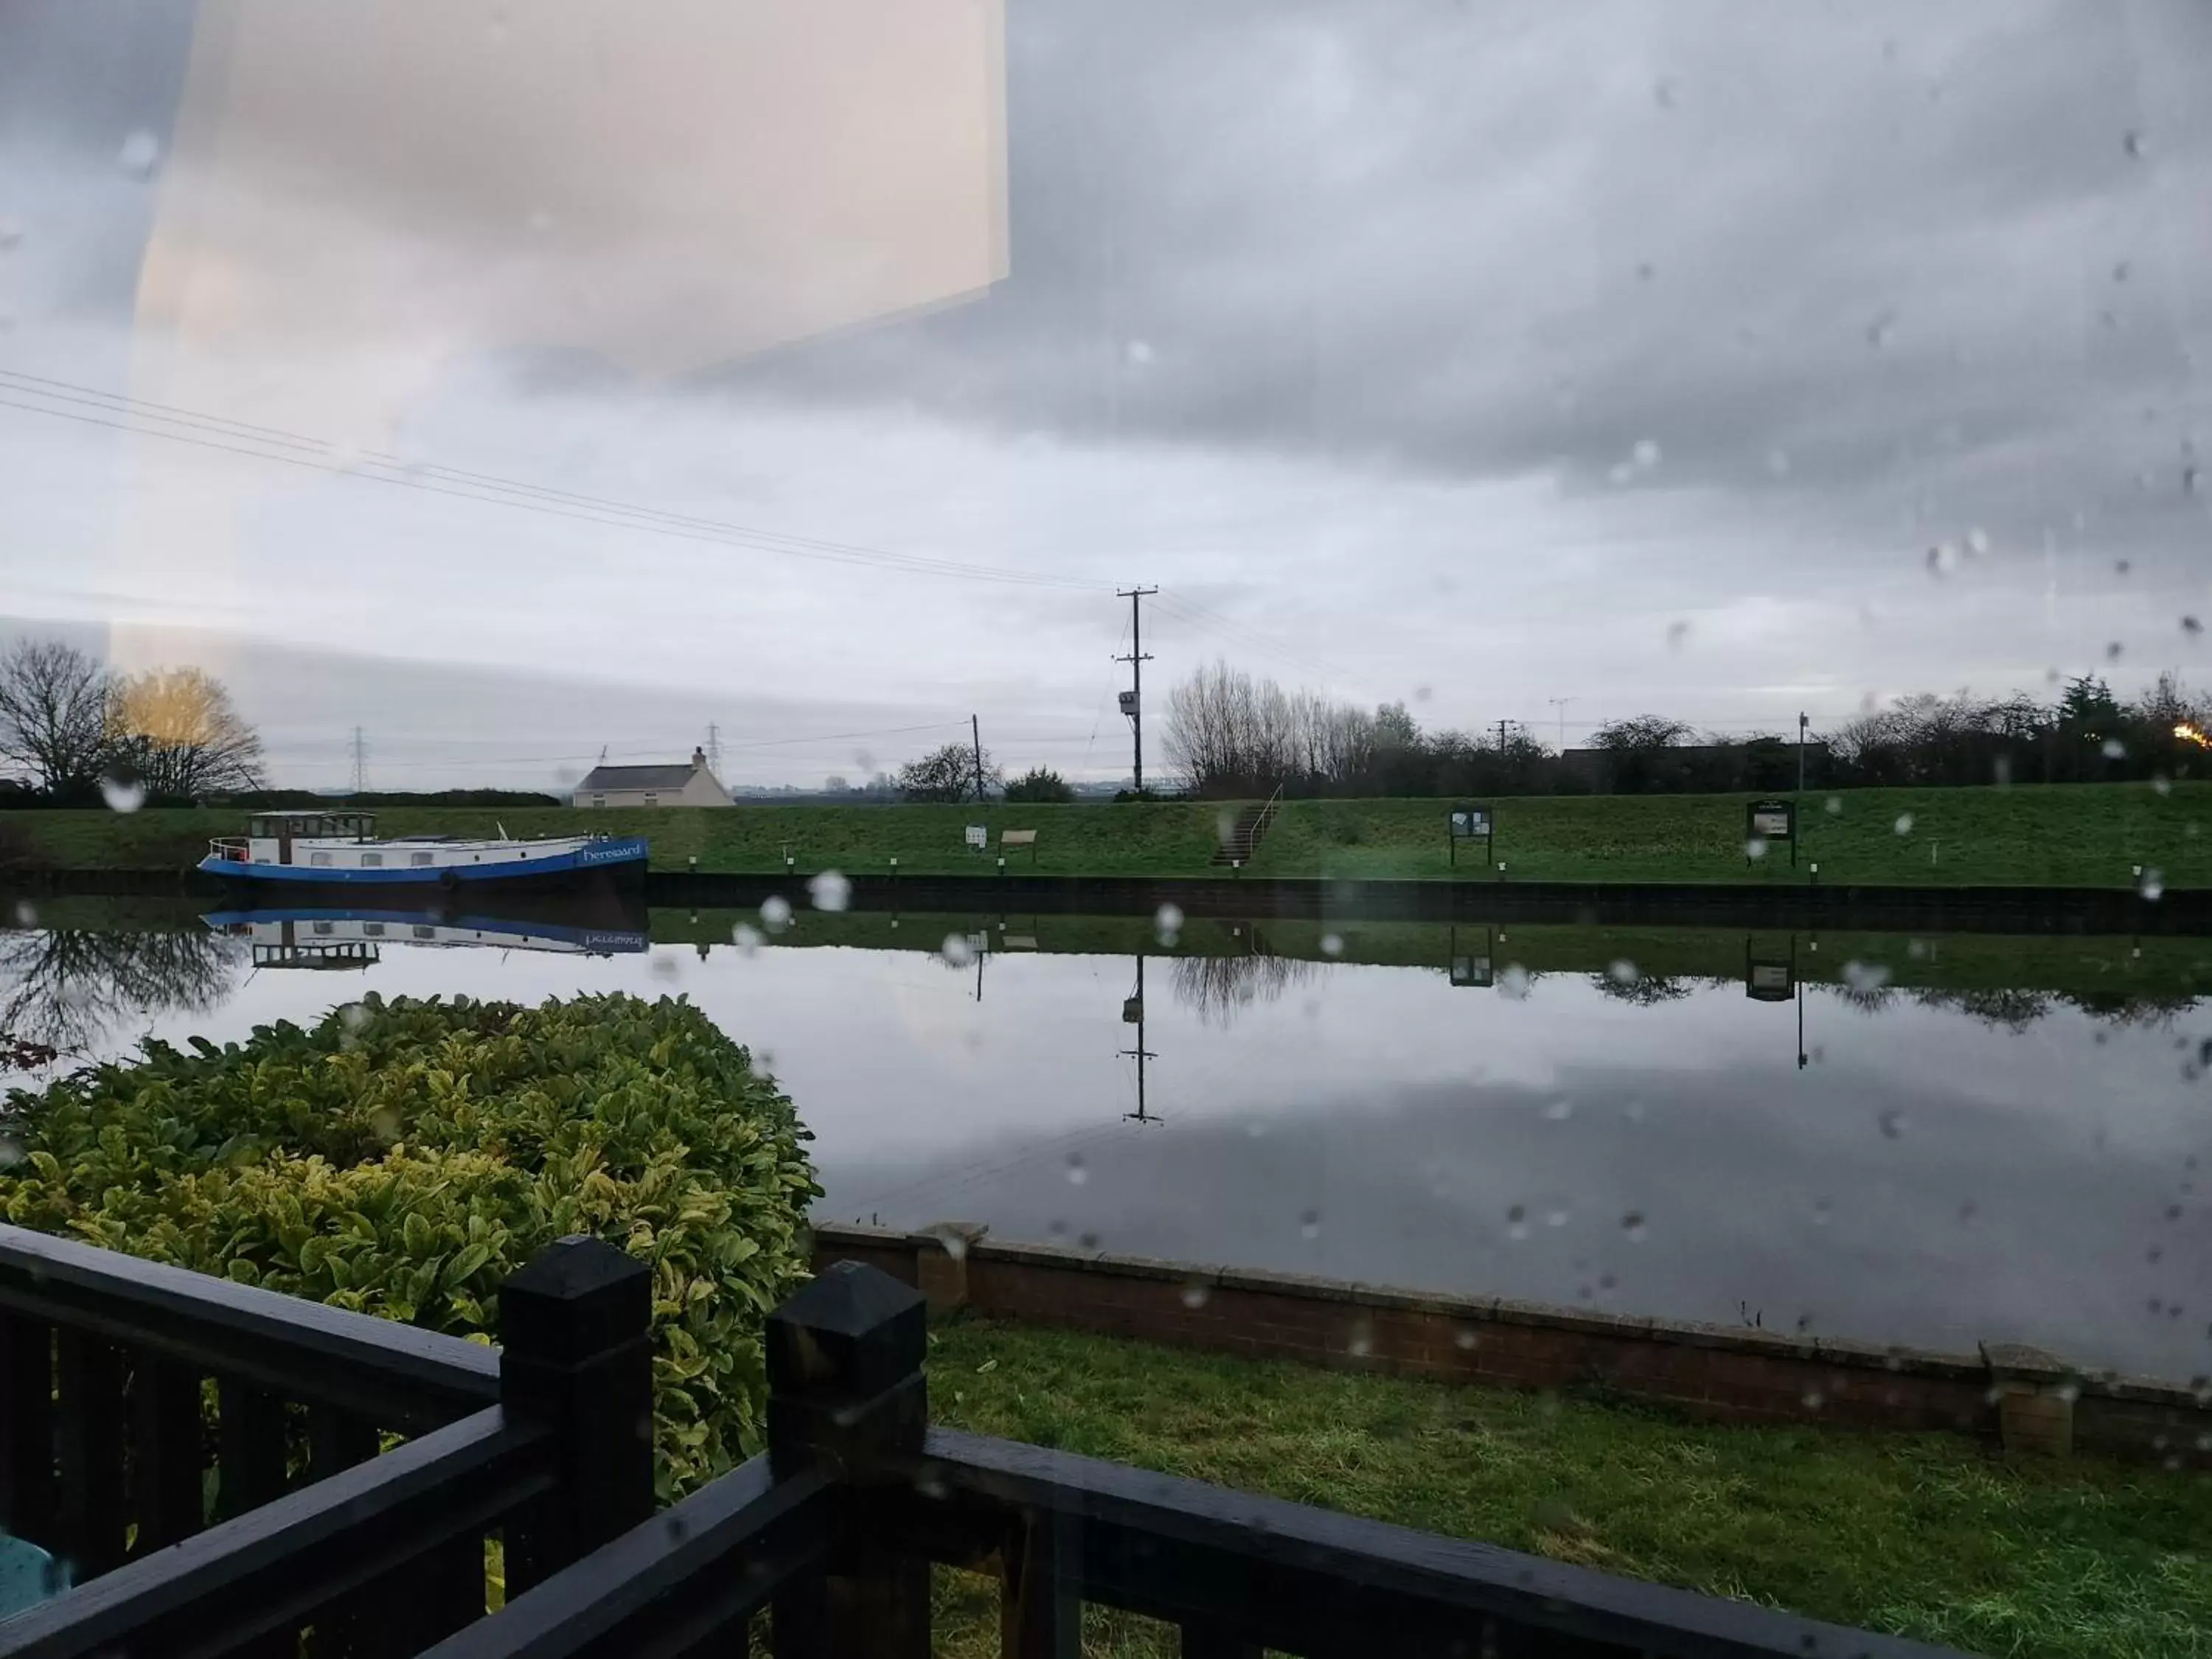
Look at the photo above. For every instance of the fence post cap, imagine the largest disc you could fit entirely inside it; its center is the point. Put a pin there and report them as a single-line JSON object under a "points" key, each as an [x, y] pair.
{"points": [[854, 1330], [576, 1297]]}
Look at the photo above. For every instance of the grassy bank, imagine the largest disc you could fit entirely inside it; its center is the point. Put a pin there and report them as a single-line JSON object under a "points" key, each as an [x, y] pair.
{"points": [[2078, 836], [1919, 1536]]}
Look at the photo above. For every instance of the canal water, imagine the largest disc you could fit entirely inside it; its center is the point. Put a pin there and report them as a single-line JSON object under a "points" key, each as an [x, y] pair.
{"points": [[1933, 1140]]}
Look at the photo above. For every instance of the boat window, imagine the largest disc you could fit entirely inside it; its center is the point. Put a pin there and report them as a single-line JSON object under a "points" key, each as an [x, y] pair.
{"points": [[424, 930], [418, 858], [323, 926], [371, 860], [373, 929], [318, 858]]}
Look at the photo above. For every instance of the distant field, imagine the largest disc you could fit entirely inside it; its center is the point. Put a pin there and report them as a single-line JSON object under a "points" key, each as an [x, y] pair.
{"points": [[2087, 834]]}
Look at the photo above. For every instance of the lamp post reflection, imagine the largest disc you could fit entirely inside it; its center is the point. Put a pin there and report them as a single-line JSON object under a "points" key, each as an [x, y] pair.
{"points": [[1133, 1013]]}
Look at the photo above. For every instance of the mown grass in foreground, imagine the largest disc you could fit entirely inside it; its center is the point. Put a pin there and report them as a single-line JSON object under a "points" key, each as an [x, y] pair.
{"points": [[1922, 1535]]}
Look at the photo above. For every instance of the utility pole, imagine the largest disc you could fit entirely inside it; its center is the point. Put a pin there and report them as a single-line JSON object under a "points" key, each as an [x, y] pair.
{"points": [[975, 730], [1801, 752], [1133, 699], [1501, 739], [1140, 1054], [360, 762], [714, 748], [1560, 703]]}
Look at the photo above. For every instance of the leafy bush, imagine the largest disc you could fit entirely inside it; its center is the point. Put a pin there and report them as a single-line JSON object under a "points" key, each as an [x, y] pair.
{"points": [[1040, 783], [402, 1158]]}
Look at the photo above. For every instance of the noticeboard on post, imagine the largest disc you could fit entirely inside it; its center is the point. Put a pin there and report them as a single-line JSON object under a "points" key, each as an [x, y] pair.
{"points": [[1768, 823], [1469, 821]]}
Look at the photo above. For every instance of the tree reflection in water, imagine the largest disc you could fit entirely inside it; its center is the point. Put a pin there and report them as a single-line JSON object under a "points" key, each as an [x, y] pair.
{"points": [[1220, 988], [73, 989]]}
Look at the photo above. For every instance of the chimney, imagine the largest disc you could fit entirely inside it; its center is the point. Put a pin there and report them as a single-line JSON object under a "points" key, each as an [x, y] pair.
{"points": [[698, 758]]}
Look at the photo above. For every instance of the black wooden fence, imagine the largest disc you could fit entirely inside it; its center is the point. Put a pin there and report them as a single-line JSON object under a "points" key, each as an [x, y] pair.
{"points": [[312, 1543]]}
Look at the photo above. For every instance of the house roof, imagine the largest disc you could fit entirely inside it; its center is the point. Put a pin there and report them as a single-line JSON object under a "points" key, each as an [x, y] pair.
{"points": [[636, 777]]}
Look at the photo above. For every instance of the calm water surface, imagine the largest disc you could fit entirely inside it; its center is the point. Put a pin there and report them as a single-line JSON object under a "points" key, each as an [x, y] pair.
{"points": [[2021, 1168]]}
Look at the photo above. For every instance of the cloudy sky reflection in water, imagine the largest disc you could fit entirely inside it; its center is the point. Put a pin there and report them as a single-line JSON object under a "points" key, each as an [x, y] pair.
{"points": [[1929, 1179]]}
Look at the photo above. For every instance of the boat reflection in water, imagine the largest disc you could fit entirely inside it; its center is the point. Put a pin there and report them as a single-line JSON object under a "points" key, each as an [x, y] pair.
{"points": [[354, 936]]}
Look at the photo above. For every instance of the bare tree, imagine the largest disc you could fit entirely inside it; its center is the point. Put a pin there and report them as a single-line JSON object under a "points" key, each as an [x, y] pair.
{"points": [[948, 775], [179, 731], [53, 714]]}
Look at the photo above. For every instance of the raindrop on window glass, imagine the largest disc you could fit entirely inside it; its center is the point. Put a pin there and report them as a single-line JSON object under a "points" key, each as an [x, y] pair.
{"points": [[1823, 1211], [746, 937], [776, 912], [122, 793], [1514, 981], [2152, 885], [140, 155], [1678, 633], [26, 916], [1865, 976], [1631, 1226], [956, 950], [1556, 1217], [1834, 807], [11, 234], [2132, 143], [2113, 748], [1168, 920], [2112, 651], [1645, 454], [1516, 1223], [1755, 848], [1893, 1124], [1621, 971], [1560, 1111], [1194, 1293], [1332, 945], [830, 890], [1903, 824], [1309, 1225], [2191, 627], [1077, 1175]]}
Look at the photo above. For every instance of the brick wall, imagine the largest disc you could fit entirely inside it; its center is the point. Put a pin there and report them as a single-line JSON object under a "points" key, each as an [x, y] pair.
{"points": [[1720, 1373]]}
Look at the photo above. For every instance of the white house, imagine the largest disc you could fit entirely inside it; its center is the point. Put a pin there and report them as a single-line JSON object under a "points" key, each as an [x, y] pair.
{"points": [[653, 786]]}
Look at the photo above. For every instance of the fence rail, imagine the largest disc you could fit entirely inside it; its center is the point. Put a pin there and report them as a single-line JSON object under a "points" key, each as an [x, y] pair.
{"points": [[323, 1540]]}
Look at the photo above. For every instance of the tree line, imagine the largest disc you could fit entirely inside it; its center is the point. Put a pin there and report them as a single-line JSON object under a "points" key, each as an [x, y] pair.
{"points": [[1231, 734], [81, 732]]}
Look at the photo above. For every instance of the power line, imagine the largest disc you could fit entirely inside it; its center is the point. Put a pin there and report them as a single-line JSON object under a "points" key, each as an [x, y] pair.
{"points": [[255, 443]]}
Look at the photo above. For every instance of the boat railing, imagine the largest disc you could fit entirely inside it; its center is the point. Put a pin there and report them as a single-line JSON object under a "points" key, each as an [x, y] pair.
{"points": [[234, 848]]}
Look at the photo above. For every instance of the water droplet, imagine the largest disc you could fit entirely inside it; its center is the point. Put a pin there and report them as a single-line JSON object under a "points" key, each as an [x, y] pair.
{"points": [[1631, 1225], [1556, 1217], [2113, 748], [1309, 1225], [1755, 848], [1834, 807], [2112, 651], [2191, 627], [1141, 352], [1560, 1111], [957, 950], [1678, 633], [830, 890], [1778, 463], [1361, 1342], [776, 912], [1942, 559], [140, 155], [1516, 1223], [1077, 1175], [1194, 1293], [1423, 693], [1089, 1241], [1978, 541], [1646, 454], [11, 234], [27, 915], [122, 794], [1621, 971], [1893, 1124], [1814, 1400], [1466, 1341], [1514, 981], [1332, 945], [1663, 91], [2132, 143], [1823, 1211], [1880, 329], [11, 1152], [2152, 885], [1168, 921], [746, 937], [1865, 976], [1903, 824]]}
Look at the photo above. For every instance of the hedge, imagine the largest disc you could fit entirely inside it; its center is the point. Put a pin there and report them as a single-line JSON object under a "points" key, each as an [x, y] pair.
{"points": [[401, 1158]]}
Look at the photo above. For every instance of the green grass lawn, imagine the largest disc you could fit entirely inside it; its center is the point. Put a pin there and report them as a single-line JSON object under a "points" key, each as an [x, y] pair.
{"points": [[2088, 835], [1921, 1535]]}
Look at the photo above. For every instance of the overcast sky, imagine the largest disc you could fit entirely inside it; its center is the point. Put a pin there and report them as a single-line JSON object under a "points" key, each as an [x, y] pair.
{"points": [[1472, 354]]}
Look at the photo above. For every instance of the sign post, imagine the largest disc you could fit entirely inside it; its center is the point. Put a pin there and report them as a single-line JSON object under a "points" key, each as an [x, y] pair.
{"points": [[1770, 821], [1770, 975], [1471, 822]]}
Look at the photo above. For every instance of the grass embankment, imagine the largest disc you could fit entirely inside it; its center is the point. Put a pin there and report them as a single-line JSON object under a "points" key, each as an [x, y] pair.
{"points": [[2088, 835], [1922, 1535]]}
